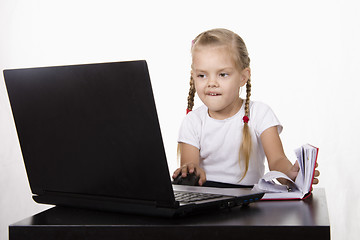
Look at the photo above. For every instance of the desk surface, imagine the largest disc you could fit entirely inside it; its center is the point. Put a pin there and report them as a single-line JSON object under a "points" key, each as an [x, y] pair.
{"points": [[261, 220]]}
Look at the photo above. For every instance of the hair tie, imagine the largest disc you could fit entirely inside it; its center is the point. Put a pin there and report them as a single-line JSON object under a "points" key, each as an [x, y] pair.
{"points": [[246, 119], [188, 110]]}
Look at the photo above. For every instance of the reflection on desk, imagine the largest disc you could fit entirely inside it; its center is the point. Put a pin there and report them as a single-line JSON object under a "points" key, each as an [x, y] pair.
{"points": [[306, 219]]}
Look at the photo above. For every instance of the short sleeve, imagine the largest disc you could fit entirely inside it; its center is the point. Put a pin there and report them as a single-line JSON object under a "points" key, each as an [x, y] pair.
{"points": [[264, 118], [190, 130]]}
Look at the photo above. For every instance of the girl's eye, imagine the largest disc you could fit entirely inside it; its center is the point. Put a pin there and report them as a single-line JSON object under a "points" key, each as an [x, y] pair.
{"points": [[224, 75], [201, 76]]}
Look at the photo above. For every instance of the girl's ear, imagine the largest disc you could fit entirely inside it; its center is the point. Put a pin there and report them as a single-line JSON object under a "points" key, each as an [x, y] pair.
{"points": [[245, 76]]}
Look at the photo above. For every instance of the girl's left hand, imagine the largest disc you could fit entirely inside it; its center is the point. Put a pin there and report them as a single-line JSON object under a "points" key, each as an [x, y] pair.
{"points": [[317, 174], [293, 172]]}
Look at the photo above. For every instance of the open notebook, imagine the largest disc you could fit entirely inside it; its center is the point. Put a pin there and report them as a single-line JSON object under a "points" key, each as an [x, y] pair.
{"points": [[301, 188]]}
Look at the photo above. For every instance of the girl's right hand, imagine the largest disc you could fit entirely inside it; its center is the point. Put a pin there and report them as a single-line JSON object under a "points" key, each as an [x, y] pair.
{"points": [[191, 168]]}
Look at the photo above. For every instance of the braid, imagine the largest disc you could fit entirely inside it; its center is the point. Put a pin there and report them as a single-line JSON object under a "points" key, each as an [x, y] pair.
{"points": [[248, 94], [246, 143], [190, 106], [191, 95]]}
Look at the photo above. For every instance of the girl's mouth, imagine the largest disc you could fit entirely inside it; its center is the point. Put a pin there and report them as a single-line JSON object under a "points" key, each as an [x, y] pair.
{"points": [[213, 94]]}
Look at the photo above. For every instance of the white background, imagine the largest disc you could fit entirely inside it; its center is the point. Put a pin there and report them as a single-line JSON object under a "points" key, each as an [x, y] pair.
{"points": [[304, 59]]}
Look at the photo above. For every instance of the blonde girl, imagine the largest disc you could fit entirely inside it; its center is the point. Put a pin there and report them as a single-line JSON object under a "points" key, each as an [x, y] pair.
{"points": [[227, 139]]}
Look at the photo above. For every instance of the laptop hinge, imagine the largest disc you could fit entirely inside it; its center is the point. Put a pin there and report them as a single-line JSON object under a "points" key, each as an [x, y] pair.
{"points": [[173, 204], [96, 197]]}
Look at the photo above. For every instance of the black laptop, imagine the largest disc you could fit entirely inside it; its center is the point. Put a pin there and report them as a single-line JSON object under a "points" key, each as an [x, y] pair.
{"points": [[90, 138]]}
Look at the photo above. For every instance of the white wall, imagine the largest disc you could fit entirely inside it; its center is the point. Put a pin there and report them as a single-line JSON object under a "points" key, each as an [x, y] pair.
{"points": [[305, 58]]}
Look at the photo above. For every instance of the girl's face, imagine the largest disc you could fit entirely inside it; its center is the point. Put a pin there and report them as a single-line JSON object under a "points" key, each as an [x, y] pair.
{"points": [[218, 81]]}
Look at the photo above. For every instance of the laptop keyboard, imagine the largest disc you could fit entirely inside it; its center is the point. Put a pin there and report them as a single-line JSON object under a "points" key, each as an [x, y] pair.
{"points": [[189, 197]]}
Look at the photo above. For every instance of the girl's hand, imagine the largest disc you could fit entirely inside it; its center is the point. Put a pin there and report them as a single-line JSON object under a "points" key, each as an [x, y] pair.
{"points": [[293, 172], [191, 168], [317, 174]]}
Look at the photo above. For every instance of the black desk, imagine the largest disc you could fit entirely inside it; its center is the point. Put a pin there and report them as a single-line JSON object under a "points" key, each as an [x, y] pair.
{"points": [[306, 219]]}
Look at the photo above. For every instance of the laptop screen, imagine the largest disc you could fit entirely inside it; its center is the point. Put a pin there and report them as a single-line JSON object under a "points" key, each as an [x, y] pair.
{"points": [[90, 129]]}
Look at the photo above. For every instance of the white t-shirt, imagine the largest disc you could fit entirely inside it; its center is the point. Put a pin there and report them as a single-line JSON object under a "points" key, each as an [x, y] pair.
{"points": [[219, 142]]}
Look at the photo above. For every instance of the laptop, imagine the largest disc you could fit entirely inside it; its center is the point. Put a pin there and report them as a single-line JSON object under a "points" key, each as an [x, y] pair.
{"points": [[90, 138]]}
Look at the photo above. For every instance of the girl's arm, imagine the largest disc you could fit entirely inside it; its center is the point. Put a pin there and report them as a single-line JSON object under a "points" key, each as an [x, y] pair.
{"points": [[275, 155], [189, 161], [274, 152]]}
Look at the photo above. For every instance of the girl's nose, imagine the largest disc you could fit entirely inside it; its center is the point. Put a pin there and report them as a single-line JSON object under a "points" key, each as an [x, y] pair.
{"points": [[212, 82]]}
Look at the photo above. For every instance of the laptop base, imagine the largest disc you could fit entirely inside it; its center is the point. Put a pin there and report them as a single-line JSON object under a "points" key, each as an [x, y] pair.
{"points": [[141, 207]]}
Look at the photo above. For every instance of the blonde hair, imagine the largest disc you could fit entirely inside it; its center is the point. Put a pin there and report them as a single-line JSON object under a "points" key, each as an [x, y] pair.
{"points": [[240, 55]]}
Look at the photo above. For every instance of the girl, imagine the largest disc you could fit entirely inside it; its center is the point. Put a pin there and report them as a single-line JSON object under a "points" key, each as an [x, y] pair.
{"points": [[226, 140]]}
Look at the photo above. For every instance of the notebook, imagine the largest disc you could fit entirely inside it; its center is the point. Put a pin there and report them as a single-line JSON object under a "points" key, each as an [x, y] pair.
{"points": [[90, 137]]}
